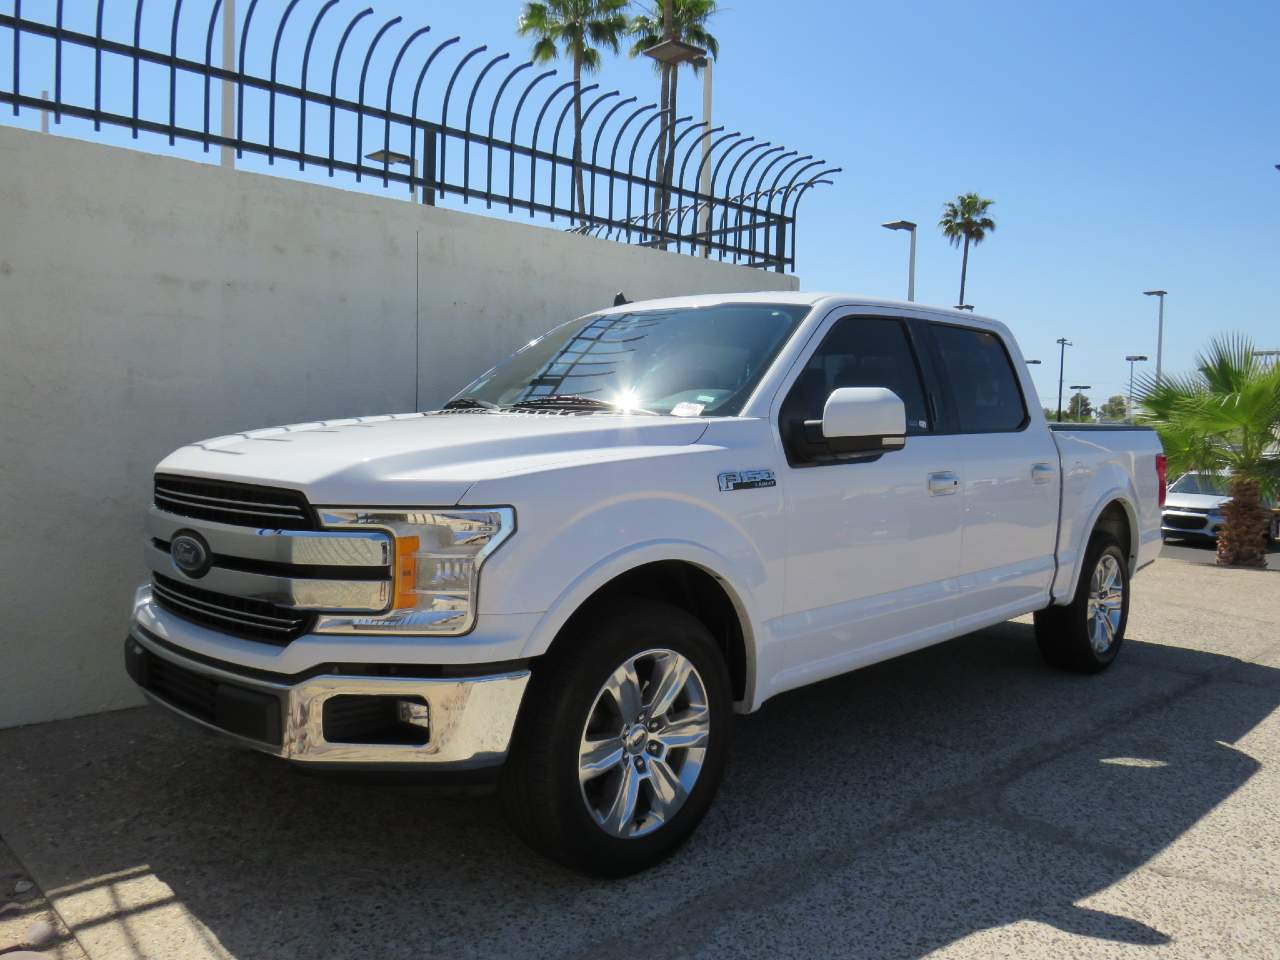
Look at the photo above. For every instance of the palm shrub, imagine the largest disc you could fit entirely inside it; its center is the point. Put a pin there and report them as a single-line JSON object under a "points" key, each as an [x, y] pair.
{"points": [[1225, 417]]}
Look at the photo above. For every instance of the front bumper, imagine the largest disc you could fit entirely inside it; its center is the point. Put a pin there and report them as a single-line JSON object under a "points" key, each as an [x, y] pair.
{"points": [[1188, 523], [467, 723]]}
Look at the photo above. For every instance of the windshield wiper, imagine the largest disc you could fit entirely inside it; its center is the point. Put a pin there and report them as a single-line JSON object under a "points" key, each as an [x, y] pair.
{"points": [[575, 401], [470, 403]]}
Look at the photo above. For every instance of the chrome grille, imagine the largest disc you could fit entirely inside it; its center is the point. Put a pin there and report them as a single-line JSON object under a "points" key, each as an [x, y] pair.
{"points": [[239, 616], [239, 504]]}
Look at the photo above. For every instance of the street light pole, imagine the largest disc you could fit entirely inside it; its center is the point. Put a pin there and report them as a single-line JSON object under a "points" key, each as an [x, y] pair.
{"points": [[1159, 330], [1133, 358], [1063, 343], [911, 267]]}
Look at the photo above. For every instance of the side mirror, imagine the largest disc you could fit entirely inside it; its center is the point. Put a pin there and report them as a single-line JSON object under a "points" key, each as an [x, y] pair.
{"points": [[857, 422], [864, 419]]}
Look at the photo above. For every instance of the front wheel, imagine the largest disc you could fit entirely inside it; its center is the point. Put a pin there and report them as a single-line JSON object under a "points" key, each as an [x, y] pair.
{"points": [[1086, 635], [622, 740]]}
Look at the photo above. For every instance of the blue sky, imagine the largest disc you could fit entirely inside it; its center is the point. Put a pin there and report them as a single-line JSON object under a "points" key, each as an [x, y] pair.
{"points": [[1127, 146]]}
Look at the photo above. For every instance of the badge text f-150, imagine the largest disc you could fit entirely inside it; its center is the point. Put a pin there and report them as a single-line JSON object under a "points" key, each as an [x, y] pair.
{"points": [[539, 583]]}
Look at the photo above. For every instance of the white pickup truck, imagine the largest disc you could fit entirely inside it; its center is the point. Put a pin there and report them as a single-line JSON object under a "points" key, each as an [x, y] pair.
{"points": [[571, 576]]}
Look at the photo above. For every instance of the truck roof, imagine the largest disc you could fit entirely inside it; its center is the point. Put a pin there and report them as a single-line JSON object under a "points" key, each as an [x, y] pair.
{"points": [[801, 298]]}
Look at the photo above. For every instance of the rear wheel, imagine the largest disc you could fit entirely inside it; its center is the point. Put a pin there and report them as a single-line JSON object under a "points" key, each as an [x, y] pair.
{"points": [[622, 740], [1086, 635]]}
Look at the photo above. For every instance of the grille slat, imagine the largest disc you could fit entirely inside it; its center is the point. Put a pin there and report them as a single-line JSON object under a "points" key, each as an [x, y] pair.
{"points": [[253, 619], [239, 504]]}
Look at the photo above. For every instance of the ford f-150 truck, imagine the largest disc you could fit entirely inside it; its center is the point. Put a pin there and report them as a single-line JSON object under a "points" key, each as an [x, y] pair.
{"points": [[572, 575]]}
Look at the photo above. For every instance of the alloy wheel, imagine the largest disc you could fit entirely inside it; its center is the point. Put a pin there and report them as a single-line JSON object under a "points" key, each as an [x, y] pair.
{"points": [[1106, 604], [644, 743]]}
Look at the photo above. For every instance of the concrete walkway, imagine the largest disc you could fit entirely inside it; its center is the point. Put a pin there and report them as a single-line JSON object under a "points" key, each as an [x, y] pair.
{"points": [[961, 802]]}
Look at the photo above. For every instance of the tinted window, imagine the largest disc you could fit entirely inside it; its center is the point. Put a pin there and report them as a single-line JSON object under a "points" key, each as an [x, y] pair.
{"points": [[983, 385], [860, 352]]}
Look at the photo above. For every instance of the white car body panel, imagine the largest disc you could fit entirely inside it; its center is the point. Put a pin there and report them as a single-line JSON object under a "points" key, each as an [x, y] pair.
{"points": [[833, 568]]}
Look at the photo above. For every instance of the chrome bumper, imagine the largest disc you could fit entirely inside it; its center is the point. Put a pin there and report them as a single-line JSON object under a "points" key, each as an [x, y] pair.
{"points": [[470, 719]]}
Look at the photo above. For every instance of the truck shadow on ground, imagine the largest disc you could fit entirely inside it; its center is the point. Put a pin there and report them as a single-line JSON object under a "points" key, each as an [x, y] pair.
{"points": [[881, 814]]}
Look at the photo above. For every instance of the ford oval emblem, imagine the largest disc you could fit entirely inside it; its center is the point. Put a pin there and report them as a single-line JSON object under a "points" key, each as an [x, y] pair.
{"points": [[191, 554]]}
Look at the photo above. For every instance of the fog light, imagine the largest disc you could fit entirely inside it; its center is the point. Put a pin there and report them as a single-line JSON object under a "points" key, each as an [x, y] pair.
{"points": [[414, 713]]}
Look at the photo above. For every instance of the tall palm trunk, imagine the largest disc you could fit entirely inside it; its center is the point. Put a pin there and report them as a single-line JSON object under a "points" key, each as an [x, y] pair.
{"points": [[664, 103], [577, 138], [667, 178], [1242, 542], [964, 271]]}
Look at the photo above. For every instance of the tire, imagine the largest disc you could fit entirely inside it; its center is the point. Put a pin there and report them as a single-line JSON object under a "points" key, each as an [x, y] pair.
{"points": [[675, 760], [1072, 637]]}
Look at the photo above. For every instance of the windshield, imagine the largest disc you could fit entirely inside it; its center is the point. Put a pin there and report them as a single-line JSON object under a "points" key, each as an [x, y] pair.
{"points": [[1205, 483], [689, 362]]}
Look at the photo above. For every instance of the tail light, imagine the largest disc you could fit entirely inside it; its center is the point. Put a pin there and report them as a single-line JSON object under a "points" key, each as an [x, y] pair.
{"points": [[1162, 474]]}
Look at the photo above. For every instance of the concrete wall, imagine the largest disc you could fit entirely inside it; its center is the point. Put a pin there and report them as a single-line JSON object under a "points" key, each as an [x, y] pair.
{"points": [[146, 302]]}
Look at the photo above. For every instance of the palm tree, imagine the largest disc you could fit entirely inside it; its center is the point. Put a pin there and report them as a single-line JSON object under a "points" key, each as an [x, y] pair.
{"points": [[575, 29], [1225, 417], [684, 20], [964, 218]]}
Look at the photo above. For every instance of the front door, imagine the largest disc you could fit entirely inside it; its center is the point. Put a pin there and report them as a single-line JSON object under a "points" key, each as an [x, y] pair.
{"points": [[873, 544]]}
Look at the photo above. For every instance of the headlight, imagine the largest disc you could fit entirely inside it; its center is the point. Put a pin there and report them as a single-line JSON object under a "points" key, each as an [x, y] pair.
{"points": [[438, 555]]}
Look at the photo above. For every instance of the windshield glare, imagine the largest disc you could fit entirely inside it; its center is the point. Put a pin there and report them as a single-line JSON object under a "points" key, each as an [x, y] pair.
{"points": [[1205, 483], [690, 362]]}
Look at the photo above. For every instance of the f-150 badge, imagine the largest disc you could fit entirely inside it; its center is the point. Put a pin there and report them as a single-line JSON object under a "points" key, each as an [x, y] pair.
{"points": [[746, 480]]}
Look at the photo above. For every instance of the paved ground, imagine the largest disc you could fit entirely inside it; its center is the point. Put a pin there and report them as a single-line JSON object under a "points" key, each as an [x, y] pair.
{"points": [[961, 802], [1202, 550]]}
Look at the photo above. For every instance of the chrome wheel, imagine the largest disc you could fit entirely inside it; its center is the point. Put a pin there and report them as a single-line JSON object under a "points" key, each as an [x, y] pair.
{"points": [[1106, 604], [644, 743]]}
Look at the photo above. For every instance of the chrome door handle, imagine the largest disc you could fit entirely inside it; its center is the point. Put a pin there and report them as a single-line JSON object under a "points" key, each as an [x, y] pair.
{"points": [[1043, 473], [943, 484]]}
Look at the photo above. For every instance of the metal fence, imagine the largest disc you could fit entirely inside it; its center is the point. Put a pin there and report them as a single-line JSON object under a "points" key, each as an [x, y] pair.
{"points": [[470, 143]]}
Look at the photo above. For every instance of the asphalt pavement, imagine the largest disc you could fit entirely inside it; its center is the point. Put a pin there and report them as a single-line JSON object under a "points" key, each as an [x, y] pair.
{"points": [[1204, 550], [965, 801]]}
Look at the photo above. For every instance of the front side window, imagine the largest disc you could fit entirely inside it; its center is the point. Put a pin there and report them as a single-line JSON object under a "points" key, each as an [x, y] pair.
{"points": [[860, 352], [984, 387], [691, 361]]}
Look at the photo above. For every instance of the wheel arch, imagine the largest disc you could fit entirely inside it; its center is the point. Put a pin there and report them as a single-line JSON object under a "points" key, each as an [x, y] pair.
{"points": [[679, 576]]}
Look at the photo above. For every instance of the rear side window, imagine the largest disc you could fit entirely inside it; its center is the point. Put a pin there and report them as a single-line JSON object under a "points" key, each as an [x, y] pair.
{"points": [[984, 387], [860, 352]]}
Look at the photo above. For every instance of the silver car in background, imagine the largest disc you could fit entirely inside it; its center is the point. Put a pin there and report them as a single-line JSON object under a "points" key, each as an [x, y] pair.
{"points": [[1193, 507]]}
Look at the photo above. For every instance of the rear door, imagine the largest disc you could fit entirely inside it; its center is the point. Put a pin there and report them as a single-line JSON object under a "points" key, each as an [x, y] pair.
{"points": [[1010, 491]]}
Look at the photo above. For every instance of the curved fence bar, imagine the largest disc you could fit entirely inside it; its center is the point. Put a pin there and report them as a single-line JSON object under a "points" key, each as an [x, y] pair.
{"points": [[515, 119], [676, 206], [333, 81], [208, 65], [444, 112], [302, 83], [137, 44], [631, 161], [173, 67], [364, 73], [533, 158], [493, 116], [391, 87], [555, 148], [429, 151], [613, 154], [271, 94], [244, 44], [471, 101]]}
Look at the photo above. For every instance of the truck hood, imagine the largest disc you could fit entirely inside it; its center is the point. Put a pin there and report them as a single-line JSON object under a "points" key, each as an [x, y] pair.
{"points": [[1193, 501], [419, 459]]}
